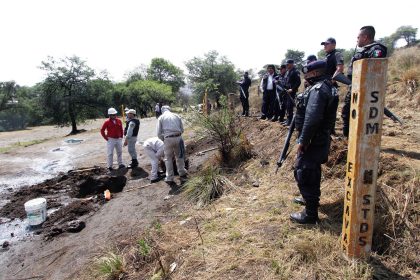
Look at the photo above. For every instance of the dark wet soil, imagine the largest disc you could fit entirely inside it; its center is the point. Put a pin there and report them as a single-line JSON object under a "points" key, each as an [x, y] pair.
{"points": [[72, 194]]}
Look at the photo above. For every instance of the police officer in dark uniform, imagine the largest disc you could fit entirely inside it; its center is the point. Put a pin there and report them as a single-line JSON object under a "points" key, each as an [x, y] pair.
{"points": [[334, 59], [279, 106], [309, 59], [315, 117], [268, 88], [292, 85], [368, 49], [335, 63], [244, 85]]}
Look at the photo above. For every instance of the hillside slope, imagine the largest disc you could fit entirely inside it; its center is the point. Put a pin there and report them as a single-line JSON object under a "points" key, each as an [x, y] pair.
{"points": [[247, 234]]}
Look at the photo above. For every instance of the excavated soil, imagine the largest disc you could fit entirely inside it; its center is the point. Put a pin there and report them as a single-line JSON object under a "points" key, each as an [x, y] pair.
{"points": [[67, 195]]}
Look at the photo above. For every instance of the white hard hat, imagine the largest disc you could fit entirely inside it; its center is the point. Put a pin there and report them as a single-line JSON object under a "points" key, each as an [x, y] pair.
{"points": [[126, 109], [112, 111], [165, 108], [131, 111]]}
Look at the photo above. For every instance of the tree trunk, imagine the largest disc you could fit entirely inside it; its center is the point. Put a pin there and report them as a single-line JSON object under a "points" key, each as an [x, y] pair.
{"points": [[72, 116]]}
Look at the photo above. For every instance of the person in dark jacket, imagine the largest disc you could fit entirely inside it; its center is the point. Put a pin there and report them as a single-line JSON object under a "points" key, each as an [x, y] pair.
{"points": [[315, 117], [335, 63], [130, 132], [368, 49], [244, 85], [268, 89], [279, 106], [292, 84]]}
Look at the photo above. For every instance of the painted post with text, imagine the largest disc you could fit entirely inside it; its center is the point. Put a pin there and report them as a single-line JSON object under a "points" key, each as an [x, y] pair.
{"points": [[366, 115]]}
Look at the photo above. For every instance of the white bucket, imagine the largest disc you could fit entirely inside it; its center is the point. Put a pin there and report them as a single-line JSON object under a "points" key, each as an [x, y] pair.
{"points": [[36, 211]]}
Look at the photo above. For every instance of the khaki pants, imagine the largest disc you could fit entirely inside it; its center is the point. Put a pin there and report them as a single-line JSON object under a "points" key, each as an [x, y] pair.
{"points": [[174, 146], [154, 160], [131, 147], [110, 145]]}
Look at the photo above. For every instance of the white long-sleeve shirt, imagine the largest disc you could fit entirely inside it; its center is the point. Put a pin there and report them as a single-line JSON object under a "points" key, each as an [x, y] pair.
{"points": [[269, 82], [169, 124], [153, 143]]}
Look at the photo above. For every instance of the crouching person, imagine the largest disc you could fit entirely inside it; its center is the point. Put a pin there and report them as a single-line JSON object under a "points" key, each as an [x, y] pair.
{"points": [[169, 130], [153, 147]]}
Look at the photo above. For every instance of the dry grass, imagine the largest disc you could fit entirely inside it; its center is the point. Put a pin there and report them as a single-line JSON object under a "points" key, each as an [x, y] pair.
{"points": [[247, 234]]}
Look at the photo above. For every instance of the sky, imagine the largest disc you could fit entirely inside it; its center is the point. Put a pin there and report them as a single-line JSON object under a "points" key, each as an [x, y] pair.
{"points": [[119, 36]]}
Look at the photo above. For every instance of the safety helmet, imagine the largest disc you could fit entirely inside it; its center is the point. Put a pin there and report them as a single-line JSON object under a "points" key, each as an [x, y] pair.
{"points": [[112, 111], [165, 108]]}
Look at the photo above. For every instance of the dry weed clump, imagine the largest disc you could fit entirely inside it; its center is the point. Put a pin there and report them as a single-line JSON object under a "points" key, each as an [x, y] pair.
{"points": [[206, 186], [337, 158], [404, 76], [222, 127], [396, 233]]}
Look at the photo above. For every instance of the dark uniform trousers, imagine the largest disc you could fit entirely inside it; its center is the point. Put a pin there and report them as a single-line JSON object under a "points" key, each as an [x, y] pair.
{"points": [[308, 175], [289, 105], [245, 103], [279, 107], [345, 113], [269, 97]]}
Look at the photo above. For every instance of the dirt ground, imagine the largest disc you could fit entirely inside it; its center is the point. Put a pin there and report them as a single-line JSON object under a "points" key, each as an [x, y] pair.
{"points": [[40, 253]]}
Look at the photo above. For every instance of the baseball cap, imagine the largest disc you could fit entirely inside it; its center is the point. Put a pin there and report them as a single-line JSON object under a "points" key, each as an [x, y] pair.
{"points": [[328, 41]]}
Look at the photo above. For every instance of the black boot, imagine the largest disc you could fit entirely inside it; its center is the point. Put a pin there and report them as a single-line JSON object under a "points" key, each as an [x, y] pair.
{"points": [[307, 216], [299, 200], [134, 163]]}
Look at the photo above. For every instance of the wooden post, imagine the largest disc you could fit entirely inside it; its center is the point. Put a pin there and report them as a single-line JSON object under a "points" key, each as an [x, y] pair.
{"points": [[205, 112], [123, 113], [366, 114]]}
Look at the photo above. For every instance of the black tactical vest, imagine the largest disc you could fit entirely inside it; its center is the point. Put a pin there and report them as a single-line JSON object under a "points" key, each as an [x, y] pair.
{"points": [[136, 127], [374, 50], [302, 102]]}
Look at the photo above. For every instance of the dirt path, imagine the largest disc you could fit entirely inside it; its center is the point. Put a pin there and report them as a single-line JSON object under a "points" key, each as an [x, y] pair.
{"points": [[127, 213]]}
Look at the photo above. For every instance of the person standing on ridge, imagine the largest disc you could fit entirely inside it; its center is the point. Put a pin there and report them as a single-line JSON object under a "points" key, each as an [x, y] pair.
{"points": [[244, 85], [368, 49], [268, 89]]}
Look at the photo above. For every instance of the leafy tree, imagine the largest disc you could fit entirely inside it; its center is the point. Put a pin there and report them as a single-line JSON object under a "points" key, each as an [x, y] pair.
{"points": [[213, 73], [163, 71], [20, 107], [389, 42], [296, 55], [7, 94], [66, 92], [143, 95], [406, 32]]}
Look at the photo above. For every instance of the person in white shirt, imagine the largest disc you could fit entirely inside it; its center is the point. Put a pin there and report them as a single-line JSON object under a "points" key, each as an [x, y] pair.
{"points": [[154, 148], [157, 110], [169, 129], [268, 88]]}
